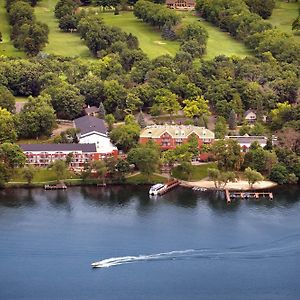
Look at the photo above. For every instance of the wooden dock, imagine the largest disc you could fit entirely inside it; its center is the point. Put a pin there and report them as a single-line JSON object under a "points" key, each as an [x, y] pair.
{"points": [[246, 195], [169, 186], [59, 186]]}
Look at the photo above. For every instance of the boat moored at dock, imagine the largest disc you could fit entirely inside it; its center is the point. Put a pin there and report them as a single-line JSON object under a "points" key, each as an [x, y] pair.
{"points": [[154, 190]]}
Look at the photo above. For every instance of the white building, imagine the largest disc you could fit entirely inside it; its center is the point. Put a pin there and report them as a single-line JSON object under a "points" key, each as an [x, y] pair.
{"points": [[93, 130]]}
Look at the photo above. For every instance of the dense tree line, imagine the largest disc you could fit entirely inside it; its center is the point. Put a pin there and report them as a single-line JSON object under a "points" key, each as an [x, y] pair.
{"points": [[156, 14], [234, 16], [27, 34]]}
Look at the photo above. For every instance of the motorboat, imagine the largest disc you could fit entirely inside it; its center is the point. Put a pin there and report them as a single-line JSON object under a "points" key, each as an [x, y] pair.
{"points": [[154, 190]]}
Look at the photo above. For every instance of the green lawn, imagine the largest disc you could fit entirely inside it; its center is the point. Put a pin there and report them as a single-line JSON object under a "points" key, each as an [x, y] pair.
{"points": [[219, 42], [142, 179], [151, 42], [6, 47], [41, 175], [60, 43], [198, 172], [283, 16]]}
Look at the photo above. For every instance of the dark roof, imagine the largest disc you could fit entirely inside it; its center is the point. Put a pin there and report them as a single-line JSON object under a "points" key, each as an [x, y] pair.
{"points": [[88, 124], [248, 139], [188, 2], [58, 147], [92, 109]]}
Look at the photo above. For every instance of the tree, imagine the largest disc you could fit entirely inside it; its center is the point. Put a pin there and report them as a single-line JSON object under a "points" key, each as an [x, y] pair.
{"points": [[28, 174], [60, 168], [115, 95], [37, 118], [228, 154], [110, 120], [102, 111], [167, 102], [214, 175], [12, 155], [145, 157], [7, 100], [279, 174], [196, 108], [141, 120], [7, 128], [133, 102], [5, 174], [100, 168], [262, 7], [253, 176], [232, 120], [221, 127], [125, 136], [66, 100]]}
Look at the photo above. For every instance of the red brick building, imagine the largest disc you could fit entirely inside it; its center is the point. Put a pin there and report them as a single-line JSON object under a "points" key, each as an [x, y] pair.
{"points": [[170, 136]]}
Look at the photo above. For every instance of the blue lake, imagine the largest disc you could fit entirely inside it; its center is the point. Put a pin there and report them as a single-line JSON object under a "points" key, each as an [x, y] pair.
{"points": [[184, 245]]}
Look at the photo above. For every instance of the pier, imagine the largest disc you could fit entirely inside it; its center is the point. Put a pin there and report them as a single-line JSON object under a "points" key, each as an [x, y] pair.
{"points": [[59, 186], [246, 195], [168, 186]]}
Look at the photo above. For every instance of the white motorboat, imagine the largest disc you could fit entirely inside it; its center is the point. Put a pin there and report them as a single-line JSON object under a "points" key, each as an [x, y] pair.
{"points": [[154, 190]]}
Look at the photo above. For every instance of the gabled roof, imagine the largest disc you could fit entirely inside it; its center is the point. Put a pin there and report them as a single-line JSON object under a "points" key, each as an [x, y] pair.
{"points": [[58, 147], [88, 124], [92, 109], [176, 131], [247, 112]]}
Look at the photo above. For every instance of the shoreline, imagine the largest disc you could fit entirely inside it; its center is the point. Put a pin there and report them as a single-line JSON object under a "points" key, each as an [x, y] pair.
{"points": [[241, 185]]}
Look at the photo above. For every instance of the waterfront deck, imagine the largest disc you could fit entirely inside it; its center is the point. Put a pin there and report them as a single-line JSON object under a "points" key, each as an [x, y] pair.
{"points": [[230, 195], [59, 186], [169, 186]]}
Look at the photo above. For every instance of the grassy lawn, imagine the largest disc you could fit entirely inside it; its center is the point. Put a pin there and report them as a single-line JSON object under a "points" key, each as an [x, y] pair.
{"points": [[41, 175], [60, 43], [21, 99], [6, 47], [283, 16], [142, 179], [219, 42], [198, 172], [151, 42]]}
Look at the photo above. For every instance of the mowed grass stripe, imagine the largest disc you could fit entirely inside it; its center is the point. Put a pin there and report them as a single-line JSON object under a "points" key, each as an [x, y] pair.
{"points": [[152, 44], [149, 38], [219, 42], [60, 43], [283, 16], [6, 47]]}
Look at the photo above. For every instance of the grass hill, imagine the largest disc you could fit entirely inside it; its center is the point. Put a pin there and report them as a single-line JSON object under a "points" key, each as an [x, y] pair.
{"points": [[283, 16], [6, 47], [151, 42], [60, 43]]}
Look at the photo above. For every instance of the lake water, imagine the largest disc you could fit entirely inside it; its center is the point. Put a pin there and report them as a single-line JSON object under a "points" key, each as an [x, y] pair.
{"points": [[184, 245]]}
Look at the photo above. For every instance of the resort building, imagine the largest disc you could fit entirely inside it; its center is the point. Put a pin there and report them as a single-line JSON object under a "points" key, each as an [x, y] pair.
{"points": [[245, 141], [181, 4], [93, 130], [170, 136], [42, 155]]}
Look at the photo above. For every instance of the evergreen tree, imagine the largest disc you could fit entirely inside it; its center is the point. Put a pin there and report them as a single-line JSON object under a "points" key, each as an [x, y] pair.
{"points": [[141, 120], [232, 120], [102, 111]]}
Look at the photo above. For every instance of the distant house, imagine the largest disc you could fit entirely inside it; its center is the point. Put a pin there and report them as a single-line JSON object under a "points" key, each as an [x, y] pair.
{"points": [[251, 116], [245, 141], [170, 136], [181, 4], [42, 155], [91, 111], [93, 130]]}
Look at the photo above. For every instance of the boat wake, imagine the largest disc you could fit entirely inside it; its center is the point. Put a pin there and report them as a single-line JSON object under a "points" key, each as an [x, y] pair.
{"points": [[285, 247]]}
